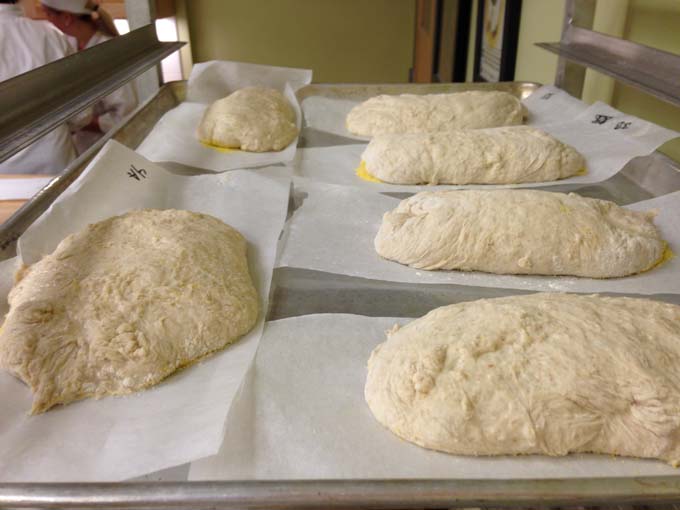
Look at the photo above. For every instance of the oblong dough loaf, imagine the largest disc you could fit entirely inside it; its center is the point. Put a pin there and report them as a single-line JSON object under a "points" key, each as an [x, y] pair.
{"points": [[507, 155], [123, 303], [519, 232], [254, 119], [412, 113], [543, 373]]}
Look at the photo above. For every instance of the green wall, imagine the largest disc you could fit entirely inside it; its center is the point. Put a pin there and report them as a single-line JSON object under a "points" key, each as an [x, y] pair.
{"points": [[541, 21], [341, 40]]}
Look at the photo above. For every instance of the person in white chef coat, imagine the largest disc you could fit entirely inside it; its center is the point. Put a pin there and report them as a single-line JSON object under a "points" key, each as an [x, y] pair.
{"points": [[89, 25], [24, 45]]}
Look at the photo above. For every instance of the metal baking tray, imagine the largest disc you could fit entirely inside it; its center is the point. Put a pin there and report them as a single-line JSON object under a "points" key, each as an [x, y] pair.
{"points": [[298, 292]]}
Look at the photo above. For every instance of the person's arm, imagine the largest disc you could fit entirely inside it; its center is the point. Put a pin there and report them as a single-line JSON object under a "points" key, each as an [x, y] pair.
{"points": [[83, 120], [117, 105], [58, 47]]}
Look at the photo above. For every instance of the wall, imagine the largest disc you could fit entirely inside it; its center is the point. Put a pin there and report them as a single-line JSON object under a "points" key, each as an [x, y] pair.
{"points": [[341, 40], [540, 21], [610, 18], [184, 34]]}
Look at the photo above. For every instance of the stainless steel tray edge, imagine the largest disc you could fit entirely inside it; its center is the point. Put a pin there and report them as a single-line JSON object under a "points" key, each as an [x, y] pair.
{"points": [[343, 493]]}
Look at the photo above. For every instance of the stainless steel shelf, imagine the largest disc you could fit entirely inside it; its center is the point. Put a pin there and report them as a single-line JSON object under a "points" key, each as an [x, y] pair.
{"points": [[649, 69], [34, 103]]}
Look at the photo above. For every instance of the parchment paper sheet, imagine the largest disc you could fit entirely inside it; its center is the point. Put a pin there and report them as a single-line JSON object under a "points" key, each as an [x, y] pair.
{"points": [[606, 148], [174, 136], [181, 419], [334, 229], [302, 414]]}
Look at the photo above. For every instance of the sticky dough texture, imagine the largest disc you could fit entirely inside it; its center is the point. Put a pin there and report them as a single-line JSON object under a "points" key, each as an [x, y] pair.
{"points": [[125, 302], [519, 232], [507, 155], [254, 119], [412, 113], [539, 374]]}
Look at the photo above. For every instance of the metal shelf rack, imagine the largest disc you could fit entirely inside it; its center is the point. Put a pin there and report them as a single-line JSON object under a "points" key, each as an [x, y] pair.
{"points": [[649, 69]]}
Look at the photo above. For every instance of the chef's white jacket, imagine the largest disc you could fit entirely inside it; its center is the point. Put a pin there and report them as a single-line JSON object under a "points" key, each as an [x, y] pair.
{"points": [[110, 110], [24, 45]]}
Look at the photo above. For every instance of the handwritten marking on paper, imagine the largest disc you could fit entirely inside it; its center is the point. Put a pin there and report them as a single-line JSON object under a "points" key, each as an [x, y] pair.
{"points": [[601, 119], [136, 173], [622, 125], [547, 95]]}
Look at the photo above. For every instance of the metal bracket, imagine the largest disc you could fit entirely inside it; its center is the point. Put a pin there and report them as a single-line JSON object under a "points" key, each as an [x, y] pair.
{"points": [[36, 102], [649, 69]]}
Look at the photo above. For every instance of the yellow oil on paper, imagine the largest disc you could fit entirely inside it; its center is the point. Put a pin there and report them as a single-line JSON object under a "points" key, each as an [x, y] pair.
{"points": [[225, 150], [363, 173], [667, 255]]}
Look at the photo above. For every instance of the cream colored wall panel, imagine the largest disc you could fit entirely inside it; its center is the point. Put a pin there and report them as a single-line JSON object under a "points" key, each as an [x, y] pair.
{"points": [[342, 41], [541, 21]]}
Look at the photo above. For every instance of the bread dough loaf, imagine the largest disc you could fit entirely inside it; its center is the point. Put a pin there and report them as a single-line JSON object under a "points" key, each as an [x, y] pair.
{"points": [[122, 304], [254, 119], [542, 373], [519, 232], [411, 113], [506, 155]]}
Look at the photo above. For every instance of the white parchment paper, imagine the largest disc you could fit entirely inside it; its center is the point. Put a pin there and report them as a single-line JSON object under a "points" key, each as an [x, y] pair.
{"points": [[174, 136], [302, 414], [605, 147], [182, 418], [328, 114], [550, 105], [334, 229]]}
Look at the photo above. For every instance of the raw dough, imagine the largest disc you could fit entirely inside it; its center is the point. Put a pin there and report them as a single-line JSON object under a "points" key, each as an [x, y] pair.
{"points": [[123, 303], [506, 155], [254, 119], [411, 113], [542, 373], [519, 232]]}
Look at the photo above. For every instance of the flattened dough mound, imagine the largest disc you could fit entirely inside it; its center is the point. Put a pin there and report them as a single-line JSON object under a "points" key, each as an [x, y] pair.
{"points": [[123, 303], [506, 155], [519, 232], [254, 119], [543, 373], [412, 113]]}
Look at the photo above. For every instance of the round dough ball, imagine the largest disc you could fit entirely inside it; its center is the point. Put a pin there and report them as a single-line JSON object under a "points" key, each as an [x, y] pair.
{"points": [[253, 119]]}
